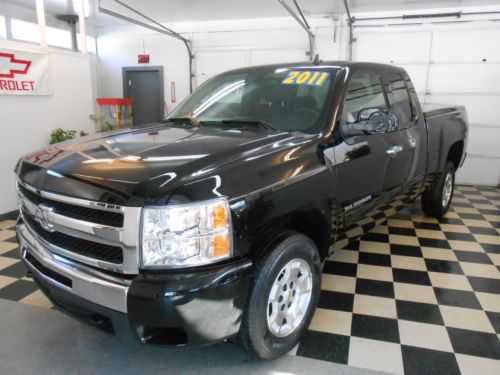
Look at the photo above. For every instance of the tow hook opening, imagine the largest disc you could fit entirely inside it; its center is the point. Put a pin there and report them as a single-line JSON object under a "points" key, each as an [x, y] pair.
{"points": [[102, 322], [169, 336]]}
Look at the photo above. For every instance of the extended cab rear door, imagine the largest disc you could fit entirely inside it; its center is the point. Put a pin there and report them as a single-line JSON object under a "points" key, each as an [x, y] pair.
{"points": [[404, 101], [367, 163]]}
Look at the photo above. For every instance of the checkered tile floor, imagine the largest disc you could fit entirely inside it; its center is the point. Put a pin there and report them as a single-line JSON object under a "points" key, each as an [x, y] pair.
{"points": [[14, 284], [414, 296]]}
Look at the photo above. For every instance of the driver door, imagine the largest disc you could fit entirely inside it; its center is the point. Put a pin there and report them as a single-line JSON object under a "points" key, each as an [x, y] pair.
{"points": [[367, 163]]}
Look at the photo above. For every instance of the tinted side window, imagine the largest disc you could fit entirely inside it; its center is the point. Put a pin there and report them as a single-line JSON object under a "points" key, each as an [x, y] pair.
{"points": [[399, 99], [365, 91]]}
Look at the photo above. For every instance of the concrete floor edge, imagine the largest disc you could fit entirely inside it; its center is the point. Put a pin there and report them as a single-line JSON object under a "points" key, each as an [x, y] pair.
{"points": [[37, 340]]}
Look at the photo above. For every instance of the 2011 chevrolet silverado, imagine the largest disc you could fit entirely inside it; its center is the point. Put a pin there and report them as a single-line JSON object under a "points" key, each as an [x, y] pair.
{"points": [[216, 222]]}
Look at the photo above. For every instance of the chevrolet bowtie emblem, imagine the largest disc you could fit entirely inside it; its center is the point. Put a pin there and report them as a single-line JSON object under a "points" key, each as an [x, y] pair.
{"points": [[42, 215], [11, 66]]}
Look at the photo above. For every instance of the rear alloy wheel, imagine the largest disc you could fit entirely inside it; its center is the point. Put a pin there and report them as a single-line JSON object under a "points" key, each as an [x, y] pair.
{"points": [[436, 201], [283, 297], [447, 190]]}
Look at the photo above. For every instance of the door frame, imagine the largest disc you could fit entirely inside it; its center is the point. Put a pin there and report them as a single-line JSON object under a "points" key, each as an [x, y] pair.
{"points": [[358, 213], [156, 68]]}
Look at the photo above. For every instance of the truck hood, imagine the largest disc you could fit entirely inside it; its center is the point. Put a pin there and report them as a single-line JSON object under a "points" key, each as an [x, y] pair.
{"points": [[128, 167]]}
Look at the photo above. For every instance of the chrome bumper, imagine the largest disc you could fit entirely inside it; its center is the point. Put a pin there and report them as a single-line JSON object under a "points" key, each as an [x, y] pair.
{"points": [[87, 283]]}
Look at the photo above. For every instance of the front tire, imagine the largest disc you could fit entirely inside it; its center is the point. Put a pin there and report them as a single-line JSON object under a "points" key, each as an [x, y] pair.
{"points": [[283, 297], [437, 200]]}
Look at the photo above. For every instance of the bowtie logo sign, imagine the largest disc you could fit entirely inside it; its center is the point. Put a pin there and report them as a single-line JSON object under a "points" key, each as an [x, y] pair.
{"points": [[10, 66]]}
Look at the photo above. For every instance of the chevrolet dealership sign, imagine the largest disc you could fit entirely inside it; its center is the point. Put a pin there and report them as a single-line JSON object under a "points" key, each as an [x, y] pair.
{"points": [[24, 73]]}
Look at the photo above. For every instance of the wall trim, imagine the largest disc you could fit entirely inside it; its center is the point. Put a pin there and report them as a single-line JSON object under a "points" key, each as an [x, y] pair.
{"points": [[11, 215]]}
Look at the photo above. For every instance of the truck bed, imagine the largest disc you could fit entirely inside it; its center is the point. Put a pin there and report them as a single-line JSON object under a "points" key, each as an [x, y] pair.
{"points": [[445, 125], [434, 109]]}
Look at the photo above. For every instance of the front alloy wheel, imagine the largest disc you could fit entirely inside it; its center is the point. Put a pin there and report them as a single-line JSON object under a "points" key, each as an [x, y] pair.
{"points": [[283, 296], [289, 298]]}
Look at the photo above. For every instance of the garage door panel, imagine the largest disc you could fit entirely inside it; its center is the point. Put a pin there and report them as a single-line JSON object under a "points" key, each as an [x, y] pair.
{"points": [[263, 57], [325, 45], [464, 78], [210, 63], [451, 72], [244, 38], [480, 109], [480, 171], [397, 47], [484, 141], [466, 45], [418, 75]]}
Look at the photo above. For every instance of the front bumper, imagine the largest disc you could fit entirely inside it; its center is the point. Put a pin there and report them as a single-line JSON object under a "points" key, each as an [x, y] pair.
{"points": [[181, 308]]}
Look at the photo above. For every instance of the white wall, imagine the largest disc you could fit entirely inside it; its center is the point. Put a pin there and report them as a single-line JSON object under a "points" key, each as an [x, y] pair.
{"points": [[27, 121]]}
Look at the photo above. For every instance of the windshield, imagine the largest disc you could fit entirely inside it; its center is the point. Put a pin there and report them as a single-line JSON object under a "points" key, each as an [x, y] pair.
{"points": [[288, 99]]}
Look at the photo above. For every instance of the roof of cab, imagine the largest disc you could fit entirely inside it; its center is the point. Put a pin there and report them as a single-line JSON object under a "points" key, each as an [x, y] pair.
{"points": [[321, 64]]}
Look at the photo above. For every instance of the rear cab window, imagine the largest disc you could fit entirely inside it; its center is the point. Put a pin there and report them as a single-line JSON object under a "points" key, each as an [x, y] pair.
{"points": [[399, 98]]}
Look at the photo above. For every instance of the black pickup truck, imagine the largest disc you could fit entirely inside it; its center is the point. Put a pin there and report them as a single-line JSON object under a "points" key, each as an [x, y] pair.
{"points": [[215, 222]]}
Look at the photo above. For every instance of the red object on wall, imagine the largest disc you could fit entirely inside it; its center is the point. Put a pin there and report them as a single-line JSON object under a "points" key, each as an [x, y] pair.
{"points": [[143, 59], [115, 101], [172, 92]]}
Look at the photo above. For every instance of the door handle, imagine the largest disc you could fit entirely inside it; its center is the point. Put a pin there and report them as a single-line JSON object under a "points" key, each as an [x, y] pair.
{"points": [[394, 150]]}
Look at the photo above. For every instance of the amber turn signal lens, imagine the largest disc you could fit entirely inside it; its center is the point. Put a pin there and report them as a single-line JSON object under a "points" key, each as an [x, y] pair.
{"points": [[221, 245], [219, 217]]}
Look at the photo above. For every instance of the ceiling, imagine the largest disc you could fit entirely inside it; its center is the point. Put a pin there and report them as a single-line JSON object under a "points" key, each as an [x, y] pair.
{"points": [[207, 10]]}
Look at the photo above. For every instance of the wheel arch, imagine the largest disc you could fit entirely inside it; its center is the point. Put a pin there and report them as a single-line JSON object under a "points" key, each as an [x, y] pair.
{"points": [[455, 153], [310, 223], [313, 225]]}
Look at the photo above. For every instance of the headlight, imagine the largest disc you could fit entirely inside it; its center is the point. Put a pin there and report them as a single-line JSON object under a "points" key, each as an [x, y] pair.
{"points": [[186, 234]]}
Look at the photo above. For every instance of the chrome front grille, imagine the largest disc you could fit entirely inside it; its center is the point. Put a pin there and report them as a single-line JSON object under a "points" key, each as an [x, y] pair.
{"points": [[90, 249], [94, 233], [111, 218]]}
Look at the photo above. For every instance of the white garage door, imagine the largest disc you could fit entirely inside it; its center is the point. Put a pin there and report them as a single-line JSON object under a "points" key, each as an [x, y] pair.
{"points": [[210, 63], [450, 66], [276, 56]]}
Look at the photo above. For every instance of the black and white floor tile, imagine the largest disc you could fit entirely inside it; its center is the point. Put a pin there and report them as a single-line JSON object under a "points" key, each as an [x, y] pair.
{"points": [[14, 285], [414, 296]]}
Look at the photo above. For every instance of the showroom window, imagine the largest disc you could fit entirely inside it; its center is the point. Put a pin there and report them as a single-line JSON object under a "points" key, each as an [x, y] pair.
{"points": [[3, 31], [58, 37], [25, 31]]}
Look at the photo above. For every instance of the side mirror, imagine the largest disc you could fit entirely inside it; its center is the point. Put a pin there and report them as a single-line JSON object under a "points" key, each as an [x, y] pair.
{"points": [[372, 121]]}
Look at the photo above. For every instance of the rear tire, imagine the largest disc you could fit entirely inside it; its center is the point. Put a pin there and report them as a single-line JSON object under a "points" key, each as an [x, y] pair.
{"points": [[286, 285], [436, 201]]}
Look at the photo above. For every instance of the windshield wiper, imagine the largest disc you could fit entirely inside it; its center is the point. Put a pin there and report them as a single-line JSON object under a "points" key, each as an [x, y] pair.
{"points": [[194, 122], [262, 123], [183, 120]]}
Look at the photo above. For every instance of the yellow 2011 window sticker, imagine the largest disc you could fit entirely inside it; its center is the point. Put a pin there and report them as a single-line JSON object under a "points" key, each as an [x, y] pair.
{"points": [[305, 77]]}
